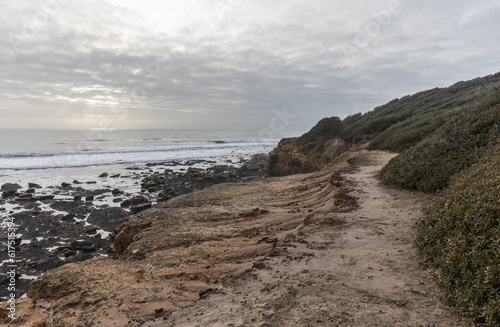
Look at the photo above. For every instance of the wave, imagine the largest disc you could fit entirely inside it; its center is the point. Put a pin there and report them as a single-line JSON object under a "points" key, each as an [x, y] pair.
{"points": [[101, 157], [213, 145]]}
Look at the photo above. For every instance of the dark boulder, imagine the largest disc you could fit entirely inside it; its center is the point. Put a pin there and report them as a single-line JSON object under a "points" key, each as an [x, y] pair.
{"points": [[125, 204], [10, 187], [10, 193], [139, 207], [49, 263], [45, 197], [107, 218], [138, 200], [33, 185], [84, 246], [25, 197]]}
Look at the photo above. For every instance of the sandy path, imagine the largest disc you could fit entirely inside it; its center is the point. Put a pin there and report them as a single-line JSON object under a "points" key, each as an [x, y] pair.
{"points": [[365, 274]]}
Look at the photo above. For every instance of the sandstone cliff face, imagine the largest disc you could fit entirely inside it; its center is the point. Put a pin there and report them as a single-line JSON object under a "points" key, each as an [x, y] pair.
{"points": [[290, 157]]}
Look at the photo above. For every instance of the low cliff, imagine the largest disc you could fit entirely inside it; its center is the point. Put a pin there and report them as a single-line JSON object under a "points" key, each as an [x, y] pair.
{"points": [[291, 157], [311, 152]]}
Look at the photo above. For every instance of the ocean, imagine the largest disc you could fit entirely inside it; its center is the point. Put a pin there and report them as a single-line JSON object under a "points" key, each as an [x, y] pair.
{"points": [[50, 157]]}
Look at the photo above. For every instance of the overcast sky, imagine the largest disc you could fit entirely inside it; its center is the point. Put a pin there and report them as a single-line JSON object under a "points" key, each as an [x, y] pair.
{"points": [[231, 63]]}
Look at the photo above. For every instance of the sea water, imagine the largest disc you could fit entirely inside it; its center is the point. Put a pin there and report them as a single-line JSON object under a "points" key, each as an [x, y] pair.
{"points": [[50, 157]]}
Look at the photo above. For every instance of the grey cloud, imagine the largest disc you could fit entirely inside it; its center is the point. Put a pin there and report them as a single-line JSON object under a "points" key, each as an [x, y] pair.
{"points": [[95, 58]]}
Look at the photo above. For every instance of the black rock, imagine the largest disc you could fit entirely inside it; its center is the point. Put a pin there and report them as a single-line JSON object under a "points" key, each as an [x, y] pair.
{"points": [[84, 246], [33, 185], [116, 192], [107, 218], [125, 204], [77, 208], [30, 190], [10, 193], [45, 197], [68, 217], [10, 187], [103, 175], [115, 176], [139, 207], [77, 198], [49, 263], [91, 230], [89, 198], [25, 197], [138, 200], [65, 184]]}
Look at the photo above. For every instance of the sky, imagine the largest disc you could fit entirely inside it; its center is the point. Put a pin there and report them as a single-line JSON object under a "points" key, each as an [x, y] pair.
{"points": [[231, 64]]}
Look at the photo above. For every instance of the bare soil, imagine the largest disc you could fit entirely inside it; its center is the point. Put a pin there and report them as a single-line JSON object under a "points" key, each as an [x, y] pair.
{"points": [[331, 248]]}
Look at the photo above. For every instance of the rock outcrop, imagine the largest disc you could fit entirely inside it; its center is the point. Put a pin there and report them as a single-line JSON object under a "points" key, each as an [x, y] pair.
{"points": [[291, 157]]}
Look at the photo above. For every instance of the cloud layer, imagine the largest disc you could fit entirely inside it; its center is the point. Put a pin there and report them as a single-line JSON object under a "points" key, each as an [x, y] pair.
{"points": [[229, 63]]}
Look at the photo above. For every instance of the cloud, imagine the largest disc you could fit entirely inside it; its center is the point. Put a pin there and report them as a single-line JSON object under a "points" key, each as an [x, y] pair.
{"points": [[65, 61]]}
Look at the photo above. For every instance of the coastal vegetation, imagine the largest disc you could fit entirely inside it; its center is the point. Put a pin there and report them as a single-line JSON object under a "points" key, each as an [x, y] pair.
{"points": [[461, 236]]}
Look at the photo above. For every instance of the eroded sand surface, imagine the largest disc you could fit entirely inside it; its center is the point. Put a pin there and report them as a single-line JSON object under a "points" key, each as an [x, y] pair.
{"points": [[365, 274], [332, 248]]}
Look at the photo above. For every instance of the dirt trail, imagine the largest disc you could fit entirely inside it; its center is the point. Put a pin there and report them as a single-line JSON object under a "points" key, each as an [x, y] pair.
{"points": [[367, 273]]}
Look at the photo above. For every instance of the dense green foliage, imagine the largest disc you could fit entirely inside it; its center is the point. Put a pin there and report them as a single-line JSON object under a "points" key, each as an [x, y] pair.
{"points": [[461, 236], [325, 129], [456, 145]]}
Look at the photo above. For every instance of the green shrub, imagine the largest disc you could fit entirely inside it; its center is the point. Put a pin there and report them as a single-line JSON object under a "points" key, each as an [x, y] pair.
{"points": [[460, 235], [324, 130], [351, 119], [455, 146]]}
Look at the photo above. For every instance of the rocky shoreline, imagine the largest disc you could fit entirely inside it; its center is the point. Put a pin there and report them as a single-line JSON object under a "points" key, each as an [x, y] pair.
{"points": [[75, 221]]}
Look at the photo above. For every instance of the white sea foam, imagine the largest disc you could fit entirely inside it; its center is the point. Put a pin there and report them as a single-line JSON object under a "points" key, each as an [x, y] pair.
{"points": [[135, 155]]}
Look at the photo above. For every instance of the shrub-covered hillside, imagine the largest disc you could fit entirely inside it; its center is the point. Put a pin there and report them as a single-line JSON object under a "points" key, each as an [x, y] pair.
{"points": [[403, 123], [461, 236], [456, 145]]}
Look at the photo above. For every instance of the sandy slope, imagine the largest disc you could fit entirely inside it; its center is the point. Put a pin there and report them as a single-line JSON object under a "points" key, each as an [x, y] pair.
{"points": [[320, 249]]}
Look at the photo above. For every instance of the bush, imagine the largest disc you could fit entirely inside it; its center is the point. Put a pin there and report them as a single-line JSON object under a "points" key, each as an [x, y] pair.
{"points": [[324, 130], [460, 235], [458, 144]]}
